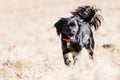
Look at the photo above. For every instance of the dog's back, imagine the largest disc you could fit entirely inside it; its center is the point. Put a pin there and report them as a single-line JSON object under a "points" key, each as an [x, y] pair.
{"points": [[86, 31]]}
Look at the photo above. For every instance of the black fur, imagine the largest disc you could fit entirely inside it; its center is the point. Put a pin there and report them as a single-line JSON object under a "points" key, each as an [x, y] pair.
{"points": [[89, 14], [76, 30]]}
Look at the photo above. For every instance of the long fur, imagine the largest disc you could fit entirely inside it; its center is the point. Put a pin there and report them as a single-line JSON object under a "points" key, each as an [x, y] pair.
{"points": [[76, 32], [59, 25], [89, 14]]}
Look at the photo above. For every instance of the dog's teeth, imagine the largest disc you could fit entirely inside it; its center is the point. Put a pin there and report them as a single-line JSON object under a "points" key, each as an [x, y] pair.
{"points": [[72, 37]]}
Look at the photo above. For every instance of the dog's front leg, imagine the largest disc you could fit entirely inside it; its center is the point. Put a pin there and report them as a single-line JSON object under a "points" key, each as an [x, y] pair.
{"points": [[75, 56], [68, 59]]}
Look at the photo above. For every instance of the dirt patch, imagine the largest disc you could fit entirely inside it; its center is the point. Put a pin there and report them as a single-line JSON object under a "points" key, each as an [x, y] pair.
{"points": [[106, 46]]}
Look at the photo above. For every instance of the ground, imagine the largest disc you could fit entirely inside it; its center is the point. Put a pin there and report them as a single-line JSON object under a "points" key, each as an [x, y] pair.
{"points": [[31, 50]]}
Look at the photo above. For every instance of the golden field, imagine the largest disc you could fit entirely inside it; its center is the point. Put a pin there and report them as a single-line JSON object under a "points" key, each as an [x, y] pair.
{"points": [[31, 50]]}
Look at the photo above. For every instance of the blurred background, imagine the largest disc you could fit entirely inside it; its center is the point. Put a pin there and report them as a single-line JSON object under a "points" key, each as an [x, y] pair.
{"points": [[31, 50]]}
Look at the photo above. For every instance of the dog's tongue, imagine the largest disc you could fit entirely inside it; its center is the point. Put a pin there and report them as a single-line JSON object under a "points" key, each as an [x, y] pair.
{"points": [[72, 38]]}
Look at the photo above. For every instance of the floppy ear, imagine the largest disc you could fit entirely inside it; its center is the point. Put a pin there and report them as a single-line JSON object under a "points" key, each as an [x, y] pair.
{"points": [[58, 25]]}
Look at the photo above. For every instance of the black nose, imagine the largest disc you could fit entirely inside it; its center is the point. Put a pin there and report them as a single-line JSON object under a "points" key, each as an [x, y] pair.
{"points": [[71, 34]]}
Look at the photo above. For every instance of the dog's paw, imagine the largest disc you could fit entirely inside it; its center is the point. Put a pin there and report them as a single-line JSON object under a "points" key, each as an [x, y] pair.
{"points": [[75, 59], [68, 59], [69, 62], [91, 57]]}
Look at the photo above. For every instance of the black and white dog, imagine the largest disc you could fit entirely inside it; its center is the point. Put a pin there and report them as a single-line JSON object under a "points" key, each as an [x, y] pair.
{"points": [[76, 31]]}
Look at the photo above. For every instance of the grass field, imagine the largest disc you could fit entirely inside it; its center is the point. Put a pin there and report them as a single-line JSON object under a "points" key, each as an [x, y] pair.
{"points": [[31, 50]]}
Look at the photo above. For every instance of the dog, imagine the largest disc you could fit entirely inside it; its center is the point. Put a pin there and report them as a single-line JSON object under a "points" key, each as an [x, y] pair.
{"points": [[76, 32]]}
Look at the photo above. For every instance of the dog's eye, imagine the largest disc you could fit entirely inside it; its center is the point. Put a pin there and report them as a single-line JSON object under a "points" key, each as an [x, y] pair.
{"points": [[72, 24], [66, 26]]}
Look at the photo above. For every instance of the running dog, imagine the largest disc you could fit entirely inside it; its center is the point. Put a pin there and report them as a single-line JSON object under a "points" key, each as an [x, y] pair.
{"points": [[76, 31]]}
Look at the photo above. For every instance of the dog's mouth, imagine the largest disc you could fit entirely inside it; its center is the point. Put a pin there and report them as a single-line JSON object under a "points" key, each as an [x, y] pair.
{"points": [[72, 38]]}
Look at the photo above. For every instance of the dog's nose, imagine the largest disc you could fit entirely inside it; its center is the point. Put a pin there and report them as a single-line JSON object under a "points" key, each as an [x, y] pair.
{"points": [[71, 34]]}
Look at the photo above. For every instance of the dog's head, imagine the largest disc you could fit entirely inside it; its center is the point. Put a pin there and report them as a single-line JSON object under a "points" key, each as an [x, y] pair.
{"points": [[68, 27]]}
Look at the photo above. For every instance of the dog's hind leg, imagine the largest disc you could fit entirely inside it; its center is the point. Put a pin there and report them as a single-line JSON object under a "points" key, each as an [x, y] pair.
{"points": [[89, 45], [90, 50]]}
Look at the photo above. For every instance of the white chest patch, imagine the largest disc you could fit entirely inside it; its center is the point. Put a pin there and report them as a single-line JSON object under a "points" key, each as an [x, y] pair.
{"points": [[71, 48], [68, 44]]}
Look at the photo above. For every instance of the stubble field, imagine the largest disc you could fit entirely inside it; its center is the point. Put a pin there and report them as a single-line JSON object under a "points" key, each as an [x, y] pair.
{"points": [[31, 50]]}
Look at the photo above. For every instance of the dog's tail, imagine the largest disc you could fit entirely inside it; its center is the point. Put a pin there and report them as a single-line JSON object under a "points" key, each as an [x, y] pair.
{"points": [[89, 14], [95, 21]]}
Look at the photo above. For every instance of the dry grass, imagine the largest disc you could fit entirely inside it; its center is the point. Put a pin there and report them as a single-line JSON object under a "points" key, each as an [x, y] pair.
{"points": [[30, 48]]}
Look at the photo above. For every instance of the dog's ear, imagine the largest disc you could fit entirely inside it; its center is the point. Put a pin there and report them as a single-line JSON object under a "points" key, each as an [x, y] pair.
{"points": [[58, 25]]}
